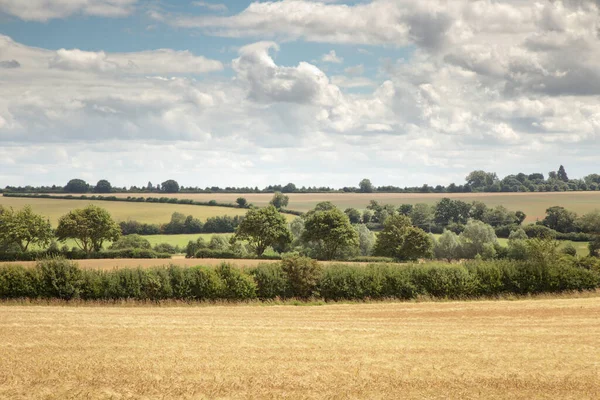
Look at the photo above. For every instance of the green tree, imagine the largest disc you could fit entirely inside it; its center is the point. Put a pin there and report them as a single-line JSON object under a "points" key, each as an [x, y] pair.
{"points": [[169, 186], [422, 215], [279, 200], [478, 238], [562, 174], [330, 230], [353, 215], [560, 219], [447, 246], [366, 239], [89, 227], [263, 227], [131, 242], [23, 228], [76, 186], [289, 188], [103, 186], [594, 247], [590, 222], [480, 179], [448, 211], [242, 202], [400, 240], [365, 186]]}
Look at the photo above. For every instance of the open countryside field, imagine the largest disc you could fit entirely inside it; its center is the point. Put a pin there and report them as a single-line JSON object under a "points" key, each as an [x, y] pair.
{"points": [[143, 212], [532, 204], [544, 348]]}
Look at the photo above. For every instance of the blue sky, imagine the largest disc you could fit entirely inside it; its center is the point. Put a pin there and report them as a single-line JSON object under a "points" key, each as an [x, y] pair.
{"points": [[317, 93]]}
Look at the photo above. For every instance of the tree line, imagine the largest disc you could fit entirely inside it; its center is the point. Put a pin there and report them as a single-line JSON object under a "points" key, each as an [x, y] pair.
{"points": [[475, 181]]}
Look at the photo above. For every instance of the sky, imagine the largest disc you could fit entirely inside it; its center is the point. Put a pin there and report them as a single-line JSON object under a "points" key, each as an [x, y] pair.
{"points": [[318, 93]]}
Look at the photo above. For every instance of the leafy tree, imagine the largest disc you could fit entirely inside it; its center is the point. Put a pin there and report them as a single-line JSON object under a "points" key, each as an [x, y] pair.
{"points": [[131, 242], [330, 230], [594, 247], [447, 246], [263, 227], [480, 179], [279, 200], [590, 222], [400, 240], [478, 238], [242, 202], [367, 216], [103, 186], [448, 211], [422, 215], [478, 210], [76, 186], [562, 174], [366, 239], [89, 227], [560, 219], [517, 244], [169, 186], [365, 186], [23, 228], [149, 187], [405, 209], [176, 225], [353, 215], [289, 188]]}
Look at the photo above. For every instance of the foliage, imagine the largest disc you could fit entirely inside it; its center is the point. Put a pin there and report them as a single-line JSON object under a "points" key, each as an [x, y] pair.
{"points": [[23, 228], [478, 238], [354, 215], [560, 219], [447, 246], [400, 240], [242, 202], [89, 227], [76, 186], [130, 242], [103, 186], [169, 186], [366, 239], [422, 215], [594, 247], [365, 186], [302, 275], [279, 200], [329, 229], [262, 228]]}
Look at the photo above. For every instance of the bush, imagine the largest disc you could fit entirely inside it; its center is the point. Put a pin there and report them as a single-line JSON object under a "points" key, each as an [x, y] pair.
{"points": [[166, 248], [569, 249], [302, 274], [271, 281], [17, 281], [237, 284], [59, 278], [131, 242]]}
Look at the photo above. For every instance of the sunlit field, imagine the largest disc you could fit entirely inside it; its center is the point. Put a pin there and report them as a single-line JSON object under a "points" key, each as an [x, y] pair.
{"points": [[544, 348], [532, 204], [150, 213]]}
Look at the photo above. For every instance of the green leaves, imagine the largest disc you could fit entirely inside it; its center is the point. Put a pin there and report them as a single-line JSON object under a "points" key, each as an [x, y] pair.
{"points": [[264, 227], [23, 228], [89, 226]]}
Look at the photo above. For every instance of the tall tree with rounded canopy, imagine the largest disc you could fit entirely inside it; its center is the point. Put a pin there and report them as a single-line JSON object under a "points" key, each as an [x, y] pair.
{"points": [[169, 186], [103, 186], [400, 240], [365, 186], [329, 229], [89, 227], [24, 227], [263, 227], [279, 200], [76, 186]]}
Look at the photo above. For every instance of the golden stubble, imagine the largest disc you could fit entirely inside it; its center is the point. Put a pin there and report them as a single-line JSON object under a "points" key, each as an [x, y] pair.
{"points": [[544, 348]]}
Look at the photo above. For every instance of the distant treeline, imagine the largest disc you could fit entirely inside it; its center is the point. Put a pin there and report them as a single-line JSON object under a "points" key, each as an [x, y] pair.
{"points": [[476, 181], [181, 224]]}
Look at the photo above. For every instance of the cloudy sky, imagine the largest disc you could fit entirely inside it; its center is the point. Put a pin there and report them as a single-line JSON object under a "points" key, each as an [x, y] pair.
{"points": [[325, 92]]}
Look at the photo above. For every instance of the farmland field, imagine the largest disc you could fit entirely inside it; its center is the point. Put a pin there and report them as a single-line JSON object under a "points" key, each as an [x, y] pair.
{"points": [[532, 204], [120, 211], [544, 348]]}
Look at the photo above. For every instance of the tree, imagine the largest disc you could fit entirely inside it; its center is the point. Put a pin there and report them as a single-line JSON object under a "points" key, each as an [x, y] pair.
{"points": [[402, 241], [590, 222], [76, 186], [131, 242], [422, 215], [562, 174], [480, 179], [23, 228], [365, 186], [478, 238], [594, 247], [560, 219], [279, 200], [149, 187], [289, 188], [447, 246], [242, 202], [263, 227], [169, 186], [103, 186], [366, 239], [89, 227], [353, 215], [448, 211], [330, 230]]}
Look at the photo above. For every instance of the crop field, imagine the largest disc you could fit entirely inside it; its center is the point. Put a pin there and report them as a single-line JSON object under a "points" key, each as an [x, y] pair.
{"points": [[532, 204], [524, 349], [120, 211]]}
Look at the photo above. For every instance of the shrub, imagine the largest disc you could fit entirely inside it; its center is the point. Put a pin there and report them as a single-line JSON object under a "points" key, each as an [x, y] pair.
{"points": [[59, 278], [237, 284], [17, 281], [166, 248], [569, 249], [205, 283], [131, 242], [270, 281], [303, 276]]}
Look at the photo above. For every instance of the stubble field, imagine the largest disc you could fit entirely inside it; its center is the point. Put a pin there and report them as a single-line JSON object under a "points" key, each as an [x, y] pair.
{"points": [[532, 204], [545, 348]]}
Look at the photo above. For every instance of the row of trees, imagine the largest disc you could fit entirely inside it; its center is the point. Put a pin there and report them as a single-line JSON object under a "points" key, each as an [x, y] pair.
{"points": [[475, 181]]}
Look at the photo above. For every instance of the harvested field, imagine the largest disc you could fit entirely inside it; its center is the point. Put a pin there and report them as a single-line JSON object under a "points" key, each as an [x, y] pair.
{"points": [[152, 213], [532, 204], [522, 349]]}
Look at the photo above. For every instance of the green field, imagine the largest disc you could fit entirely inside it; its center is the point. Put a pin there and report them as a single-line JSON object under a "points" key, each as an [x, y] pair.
{"points": [[532, 204], [152, 213]]}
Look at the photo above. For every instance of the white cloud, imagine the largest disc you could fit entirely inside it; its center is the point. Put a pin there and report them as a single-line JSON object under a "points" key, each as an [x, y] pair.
{"points": [[211, 6], [331, 57], [44, 10]]}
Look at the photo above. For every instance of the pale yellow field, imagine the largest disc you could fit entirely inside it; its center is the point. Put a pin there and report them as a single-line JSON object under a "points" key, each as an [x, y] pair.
{"points": [[526, 349], [532, 204]]}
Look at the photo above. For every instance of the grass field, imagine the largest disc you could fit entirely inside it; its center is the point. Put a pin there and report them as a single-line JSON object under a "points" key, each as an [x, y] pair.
{"points": [[525, 349], [120, 211], [532, 204]]}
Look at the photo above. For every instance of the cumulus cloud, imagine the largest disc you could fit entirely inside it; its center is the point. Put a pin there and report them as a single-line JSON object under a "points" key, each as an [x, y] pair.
{"points": [[211, 6], [331, 57], [44, 10]]}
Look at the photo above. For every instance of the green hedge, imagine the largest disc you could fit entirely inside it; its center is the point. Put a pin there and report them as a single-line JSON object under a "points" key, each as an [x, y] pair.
{"points": [[298, 277], [34, 255]]}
